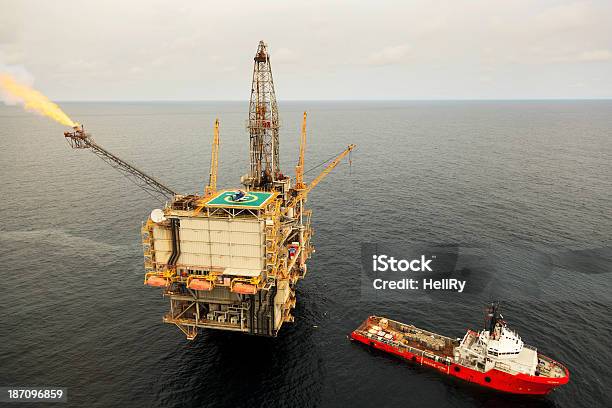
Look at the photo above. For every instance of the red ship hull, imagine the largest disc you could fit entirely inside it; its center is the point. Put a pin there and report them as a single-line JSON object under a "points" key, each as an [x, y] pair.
{"points": [[493, 379]]}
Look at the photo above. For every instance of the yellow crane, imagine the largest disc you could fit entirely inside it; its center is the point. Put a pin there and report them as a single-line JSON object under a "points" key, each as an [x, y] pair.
{"points": [[211, 188], [302, 194], [299, 169]]}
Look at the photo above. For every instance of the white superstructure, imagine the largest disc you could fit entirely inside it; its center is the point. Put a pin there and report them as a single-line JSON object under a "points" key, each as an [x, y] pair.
{"points": [[496, 346]]}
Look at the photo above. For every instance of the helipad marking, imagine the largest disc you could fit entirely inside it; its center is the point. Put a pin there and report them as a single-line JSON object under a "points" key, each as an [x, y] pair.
{"points": [[248, 198], [252, 199]]}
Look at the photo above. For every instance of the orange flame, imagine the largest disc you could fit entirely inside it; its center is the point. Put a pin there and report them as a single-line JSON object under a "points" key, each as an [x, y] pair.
{"points": [[33, 100]]}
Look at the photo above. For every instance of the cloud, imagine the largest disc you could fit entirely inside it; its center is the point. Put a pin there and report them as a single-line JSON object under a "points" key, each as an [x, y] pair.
{"points": [[11, 54], [389, 55], [567, 16], [595, 56], [284, 56], [17, 71], [136, 70], [10, 24], [455, 49]]}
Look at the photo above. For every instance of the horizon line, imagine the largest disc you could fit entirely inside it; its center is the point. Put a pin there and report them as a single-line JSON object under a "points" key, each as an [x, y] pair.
{"points": [[603, 98]]}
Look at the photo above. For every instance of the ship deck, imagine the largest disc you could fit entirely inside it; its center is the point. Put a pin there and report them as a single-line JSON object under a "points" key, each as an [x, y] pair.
{"points": [[404, 335], [548, 367]]}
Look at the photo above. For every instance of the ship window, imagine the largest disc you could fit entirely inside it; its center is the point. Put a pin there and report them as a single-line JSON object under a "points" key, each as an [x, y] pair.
{"points": [[457, 369], [488, 379]]}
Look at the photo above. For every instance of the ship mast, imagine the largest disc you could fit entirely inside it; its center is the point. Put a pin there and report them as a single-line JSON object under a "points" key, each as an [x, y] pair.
{"points": [[492, 316], [263, 125]]}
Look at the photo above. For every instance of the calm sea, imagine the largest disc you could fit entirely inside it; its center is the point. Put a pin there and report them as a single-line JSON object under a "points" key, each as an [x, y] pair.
{"points": [[527, 182]]}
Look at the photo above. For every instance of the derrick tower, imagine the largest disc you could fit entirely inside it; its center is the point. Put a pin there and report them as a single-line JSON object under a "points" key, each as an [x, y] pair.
{"points": [[263, 125]]}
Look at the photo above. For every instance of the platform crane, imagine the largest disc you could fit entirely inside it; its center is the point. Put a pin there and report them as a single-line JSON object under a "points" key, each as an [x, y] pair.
{"points": [[299, 169], [302, 194], [211, 188]]}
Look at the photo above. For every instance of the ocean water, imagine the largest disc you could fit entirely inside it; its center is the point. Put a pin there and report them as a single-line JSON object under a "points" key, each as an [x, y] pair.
{"points": [[529, 183]]}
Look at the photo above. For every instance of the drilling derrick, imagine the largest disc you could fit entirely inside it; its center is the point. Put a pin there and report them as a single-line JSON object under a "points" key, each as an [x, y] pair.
{"points": [[230, 259], [263, 125]]}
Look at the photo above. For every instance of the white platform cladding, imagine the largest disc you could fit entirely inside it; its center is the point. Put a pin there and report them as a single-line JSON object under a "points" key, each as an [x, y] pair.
{"points": [[236, 246], [282, 295]]}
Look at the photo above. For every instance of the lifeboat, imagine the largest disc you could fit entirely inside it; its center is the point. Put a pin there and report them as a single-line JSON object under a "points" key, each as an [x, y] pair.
{"points": [[200, 284], [244, 288], [157, 281]]}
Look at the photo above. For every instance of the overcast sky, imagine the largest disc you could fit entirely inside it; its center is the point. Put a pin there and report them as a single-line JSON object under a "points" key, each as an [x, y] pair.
{"points": [[199, 50]]}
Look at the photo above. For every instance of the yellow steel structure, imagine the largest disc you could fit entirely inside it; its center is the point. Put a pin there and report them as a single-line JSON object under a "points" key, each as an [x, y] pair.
{"points": [[302, 194], [203, 244], [299, 169], [211, 188]]}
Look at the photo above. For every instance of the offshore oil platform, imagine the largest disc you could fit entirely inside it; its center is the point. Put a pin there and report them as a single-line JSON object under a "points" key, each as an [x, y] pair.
{"points": [[230, 259]]}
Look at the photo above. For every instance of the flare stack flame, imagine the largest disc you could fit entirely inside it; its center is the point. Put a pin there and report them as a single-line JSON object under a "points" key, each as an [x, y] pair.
{"points": [[34, 101]]}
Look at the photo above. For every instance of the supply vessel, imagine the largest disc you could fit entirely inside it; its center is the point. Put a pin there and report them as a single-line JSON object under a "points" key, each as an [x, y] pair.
{"points": [[495, 357], [230, 259]]}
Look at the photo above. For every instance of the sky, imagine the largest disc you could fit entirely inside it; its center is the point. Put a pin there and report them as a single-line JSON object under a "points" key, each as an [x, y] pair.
{"points": [[320, 50]]}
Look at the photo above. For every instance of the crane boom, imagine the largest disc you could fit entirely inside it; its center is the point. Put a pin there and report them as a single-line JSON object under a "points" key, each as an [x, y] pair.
{"points": [[214, 163], [303, 193], [81, 140], [299, 169]]}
